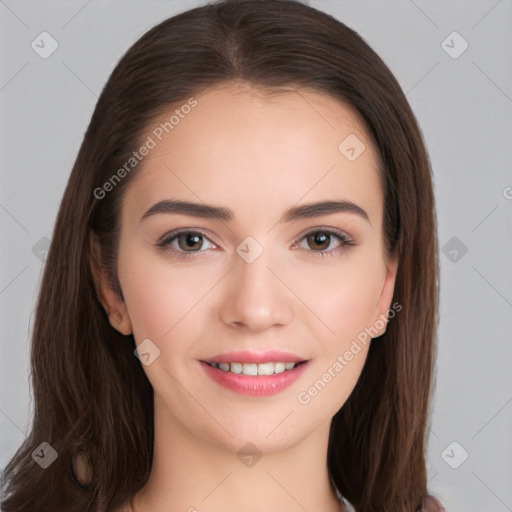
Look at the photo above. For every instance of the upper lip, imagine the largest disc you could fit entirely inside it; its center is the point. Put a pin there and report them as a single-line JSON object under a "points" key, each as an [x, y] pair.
{"points": [[249, 356]]}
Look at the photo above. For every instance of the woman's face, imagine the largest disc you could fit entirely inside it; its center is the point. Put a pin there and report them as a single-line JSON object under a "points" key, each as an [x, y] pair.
{"points": [[255, 284]]}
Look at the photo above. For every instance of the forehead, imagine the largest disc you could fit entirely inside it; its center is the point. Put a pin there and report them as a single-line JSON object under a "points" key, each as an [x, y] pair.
{"points": [[255, 150]]}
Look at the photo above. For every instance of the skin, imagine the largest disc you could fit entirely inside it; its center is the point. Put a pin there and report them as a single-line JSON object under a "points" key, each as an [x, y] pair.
{"points": [[257, 155]]}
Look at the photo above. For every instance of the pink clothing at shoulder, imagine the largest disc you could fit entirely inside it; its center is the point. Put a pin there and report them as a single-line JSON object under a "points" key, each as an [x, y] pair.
{"points": [[431, 504]]}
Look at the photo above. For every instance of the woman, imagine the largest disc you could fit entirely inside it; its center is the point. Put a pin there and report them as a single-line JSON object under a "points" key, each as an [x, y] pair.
{"points": [[239, 305]]}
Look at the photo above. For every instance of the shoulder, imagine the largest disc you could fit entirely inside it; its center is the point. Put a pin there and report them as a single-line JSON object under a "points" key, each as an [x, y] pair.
{"points": [[431, 504]]}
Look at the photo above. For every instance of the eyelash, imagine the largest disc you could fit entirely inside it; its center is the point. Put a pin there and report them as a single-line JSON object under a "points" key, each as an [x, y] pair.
{"points": [[168, 238]]}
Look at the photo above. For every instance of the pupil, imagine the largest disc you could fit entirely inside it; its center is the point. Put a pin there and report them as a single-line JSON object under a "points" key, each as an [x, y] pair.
{"points": [[320, 238], [192, 239]]}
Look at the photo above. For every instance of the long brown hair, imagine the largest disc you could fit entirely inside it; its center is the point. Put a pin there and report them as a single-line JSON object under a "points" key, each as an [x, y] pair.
{"points": [[90, 392]]}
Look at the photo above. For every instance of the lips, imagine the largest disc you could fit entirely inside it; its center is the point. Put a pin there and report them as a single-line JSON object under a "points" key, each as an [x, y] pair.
{"points": [[255, 373]]}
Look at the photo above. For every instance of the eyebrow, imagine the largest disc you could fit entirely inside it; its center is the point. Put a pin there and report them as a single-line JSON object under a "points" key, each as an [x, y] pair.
{"points": [[206, 211]]}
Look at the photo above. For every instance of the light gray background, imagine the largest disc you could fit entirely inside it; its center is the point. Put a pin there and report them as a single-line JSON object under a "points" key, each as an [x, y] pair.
{"points": [[464, 106]]}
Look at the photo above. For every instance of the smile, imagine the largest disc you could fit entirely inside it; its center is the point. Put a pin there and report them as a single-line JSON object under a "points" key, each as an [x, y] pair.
{"points": [[269, 368], [256, 373]]}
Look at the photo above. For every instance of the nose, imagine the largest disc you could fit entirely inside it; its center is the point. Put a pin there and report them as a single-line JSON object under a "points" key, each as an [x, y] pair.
{"points": [[256, 296]]}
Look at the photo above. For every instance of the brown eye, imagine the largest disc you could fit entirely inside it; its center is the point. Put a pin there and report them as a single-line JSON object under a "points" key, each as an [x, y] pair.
{"points": [[190, 241], [319, 240], [185, 243]]}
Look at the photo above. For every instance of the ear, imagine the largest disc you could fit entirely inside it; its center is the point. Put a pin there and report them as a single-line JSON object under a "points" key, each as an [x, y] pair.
{"points": [[386, 296], [110, 299]]}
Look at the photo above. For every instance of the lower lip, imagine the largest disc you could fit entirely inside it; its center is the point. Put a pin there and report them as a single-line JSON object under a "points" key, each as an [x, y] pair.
{"points": [[256, 385]]}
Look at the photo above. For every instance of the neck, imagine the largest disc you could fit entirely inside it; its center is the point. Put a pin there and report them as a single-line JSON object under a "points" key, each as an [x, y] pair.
{"points": [[195, 475]]}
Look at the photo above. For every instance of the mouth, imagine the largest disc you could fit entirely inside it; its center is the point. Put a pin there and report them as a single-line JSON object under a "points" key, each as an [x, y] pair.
{"points": [[256, 369], [255, 373]]}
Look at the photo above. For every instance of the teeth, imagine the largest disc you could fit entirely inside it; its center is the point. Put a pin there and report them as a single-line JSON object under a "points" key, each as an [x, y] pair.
{"points": [[235, 367], [250, 369], [255, 369], [266, 369], [279, 367]]}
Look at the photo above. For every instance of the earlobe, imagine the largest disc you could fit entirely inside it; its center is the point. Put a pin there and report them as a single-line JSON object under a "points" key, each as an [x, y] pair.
{"points": [[121, 322], [386, 296], [111, 301]]}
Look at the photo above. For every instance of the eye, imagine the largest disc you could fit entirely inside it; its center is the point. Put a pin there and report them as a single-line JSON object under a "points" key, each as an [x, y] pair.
{"points": [[184, 241], [187, 243], [321, 240]]}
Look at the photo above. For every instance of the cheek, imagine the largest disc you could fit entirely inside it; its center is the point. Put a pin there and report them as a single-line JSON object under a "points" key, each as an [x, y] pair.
{"points": [[157, 307], [344, 296], [149, 298], [346, 300], [162, 299]]}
